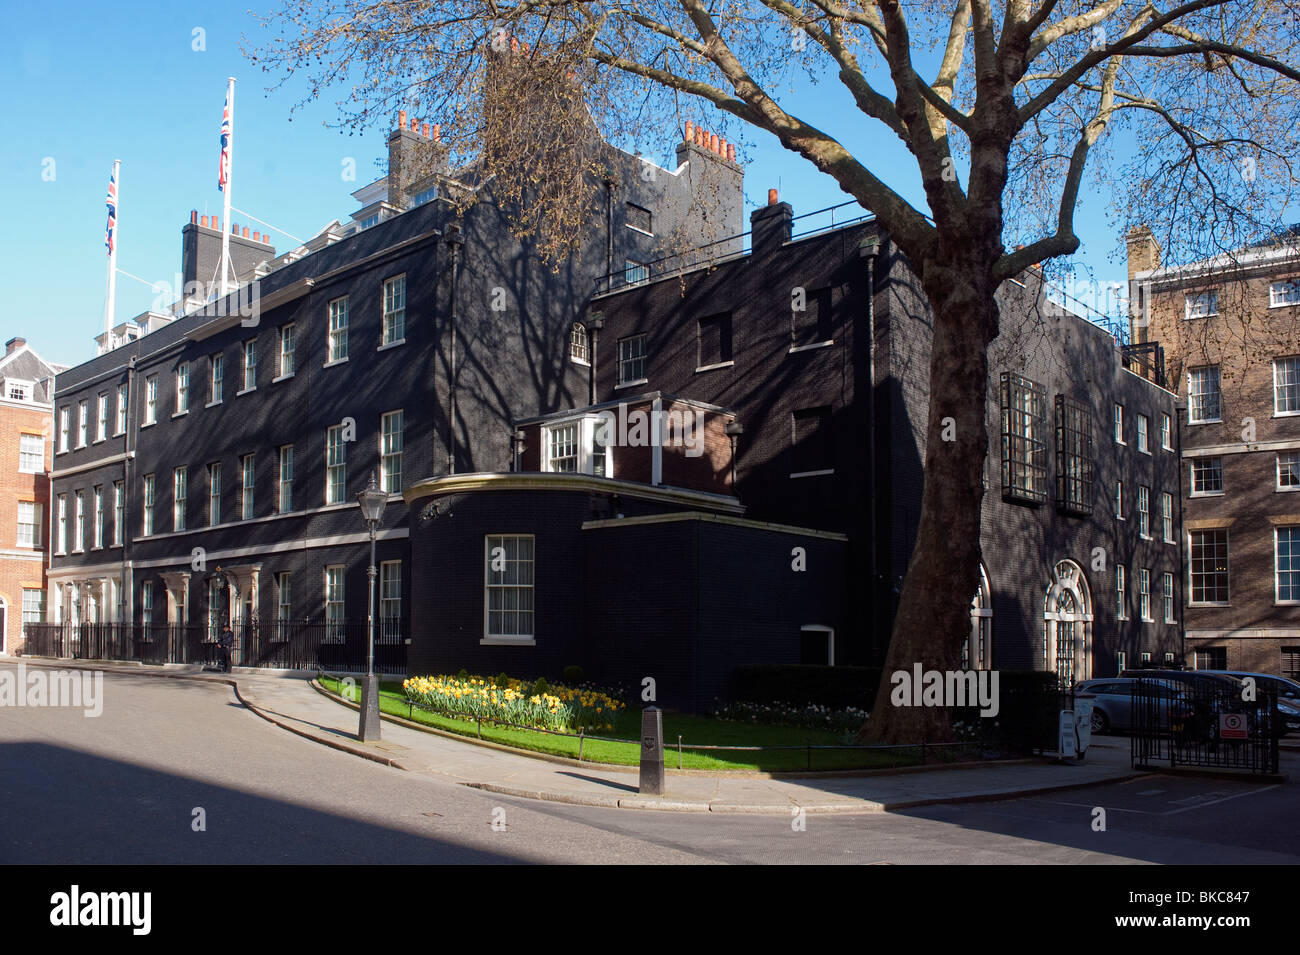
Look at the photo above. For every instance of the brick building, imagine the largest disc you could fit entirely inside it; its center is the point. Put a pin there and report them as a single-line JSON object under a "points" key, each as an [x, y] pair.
{"points": [[26, 413], [813, 350], [1231, 345], [207, 463]]}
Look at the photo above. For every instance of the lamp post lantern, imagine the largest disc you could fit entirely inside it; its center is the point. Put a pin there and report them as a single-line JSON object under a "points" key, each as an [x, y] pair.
{"points": [[372, 501]]}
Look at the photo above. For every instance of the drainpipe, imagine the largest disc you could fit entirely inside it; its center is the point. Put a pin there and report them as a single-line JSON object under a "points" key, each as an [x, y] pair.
{"points": [[609, 234], [126, 592], [1182, 534], [594, 325], [869, 249], [455, 241]]}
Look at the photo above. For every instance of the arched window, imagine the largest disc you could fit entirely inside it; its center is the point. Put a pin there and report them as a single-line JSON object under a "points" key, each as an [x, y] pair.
{"points": [[977, 651], [579, 350], [1067, 625]]}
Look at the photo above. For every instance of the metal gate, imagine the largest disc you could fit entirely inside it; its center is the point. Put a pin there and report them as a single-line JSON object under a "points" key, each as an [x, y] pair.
{"points": [[1204, 723]]}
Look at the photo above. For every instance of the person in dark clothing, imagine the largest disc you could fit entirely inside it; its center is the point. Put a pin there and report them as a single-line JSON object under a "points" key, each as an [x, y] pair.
{"points": [[227, 644]]}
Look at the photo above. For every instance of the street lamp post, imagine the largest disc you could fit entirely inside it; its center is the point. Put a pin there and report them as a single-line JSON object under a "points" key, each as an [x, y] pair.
{"points": [[372, 501]]}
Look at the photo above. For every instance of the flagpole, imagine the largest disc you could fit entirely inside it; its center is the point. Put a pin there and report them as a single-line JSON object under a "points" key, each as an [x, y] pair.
{"points": [[110, 306], [225, 213]]}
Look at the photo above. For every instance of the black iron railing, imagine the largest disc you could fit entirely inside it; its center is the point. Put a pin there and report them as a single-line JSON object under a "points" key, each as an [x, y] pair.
{"points": [[1146, 359], [1205, 723], [277, 644]]}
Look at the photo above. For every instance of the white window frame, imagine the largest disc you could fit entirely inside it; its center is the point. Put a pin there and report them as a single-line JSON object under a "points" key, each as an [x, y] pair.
{"points": [[29, 438], [182, 389], [61, 539], [392, 442], [1167, 517], [1191, 589], [392, 319], [119, 423], [146, 509], [1144, 512], [528, 639], [1201, 304], [119, 512], [180, 496], [390, 593], [644, 357], [216, 378], [586, 445], [288, 352], [1144, 433], [336, 471], [79, 525], [214, 493], [37, 533], [336, 335], [83, 422], [1119, 424], [1289, 290], [1168, 586], [1121, 601], [248, 487], [1166, 432], [1119, 501], [101, 417], [1277, 564], [579, 344], [151, 399], [1192, 490], [99, 517], [1278, 476], [65, 426], [336, 597], [1294, 362], [248, 362], [284, 483], [1218, 392], [1144, 594], [283, 604]]}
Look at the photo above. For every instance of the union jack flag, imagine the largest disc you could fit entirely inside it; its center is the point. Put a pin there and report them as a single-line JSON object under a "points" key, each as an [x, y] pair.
{"points": [[223, 174], [110, 230]]}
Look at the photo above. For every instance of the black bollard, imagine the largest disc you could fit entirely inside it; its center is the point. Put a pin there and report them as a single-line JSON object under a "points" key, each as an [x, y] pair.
{"points": [[652, 751]]}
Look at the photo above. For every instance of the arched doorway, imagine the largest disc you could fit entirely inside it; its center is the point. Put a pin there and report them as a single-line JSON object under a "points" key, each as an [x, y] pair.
{"points": [[1067, 625], [977, 651]]}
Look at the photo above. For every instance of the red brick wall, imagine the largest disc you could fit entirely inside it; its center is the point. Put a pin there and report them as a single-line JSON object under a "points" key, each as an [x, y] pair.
{"points": [[17, 574]]}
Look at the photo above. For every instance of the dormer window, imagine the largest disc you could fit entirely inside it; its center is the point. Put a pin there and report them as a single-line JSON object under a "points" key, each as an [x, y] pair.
{"points": [[18, 390]]}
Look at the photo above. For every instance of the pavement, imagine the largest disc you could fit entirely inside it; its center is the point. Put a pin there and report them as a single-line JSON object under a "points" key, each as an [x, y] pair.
{"points": [[291, 701]]}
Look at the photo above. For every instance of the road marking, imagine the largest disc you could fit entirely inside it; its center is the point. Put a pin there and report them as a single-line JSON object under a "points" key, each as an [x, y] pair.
{"points": [[1200, 803], [1249, 792], [1151, 792]]}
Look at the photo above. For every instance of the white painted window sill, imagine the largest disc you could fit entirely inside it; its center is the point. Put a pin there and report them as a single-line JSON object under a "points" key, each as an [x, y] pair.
{"points": [[281, 378], [632, 384], [812, 345], [1196, 494], [804, 474], [246, 391], [715, 365], [180, 414], [148, 424], [394, 344], [336, 361], [505, 642]]}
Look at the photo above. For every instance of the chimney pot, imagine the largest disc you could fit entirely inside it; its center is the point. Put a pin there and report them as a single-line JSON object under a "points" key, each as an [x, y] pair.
{"points": [[194, 217], [401, 119], [514, 44], [689, 136], [424, 130], [257, 237], [204, 222], [245, 232], [713, 142], [771, 197], [437, 132], [216, 223], [731, 151]]}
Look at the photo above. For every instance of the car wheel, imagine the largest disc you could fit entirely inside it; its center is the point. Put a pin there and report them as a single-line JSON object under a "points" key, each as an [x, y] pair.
{"points": [[1100, 724]]}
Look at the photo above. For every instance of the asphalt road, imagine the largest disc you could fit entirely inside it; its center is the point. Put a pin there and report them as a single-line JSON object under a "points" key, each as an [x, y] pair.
{"points": [[125, 787]]}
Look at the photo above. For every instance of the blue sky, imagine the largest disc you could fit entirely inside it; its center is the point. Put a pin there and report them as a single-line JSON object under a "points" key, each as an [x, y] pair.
{"points": [[86, 84]]}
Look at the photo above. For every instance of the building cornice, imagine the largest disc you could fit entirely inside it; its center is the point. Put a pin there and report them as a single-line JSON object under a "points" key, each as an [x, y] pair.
{"points": [[550, 481], [713, 519]]}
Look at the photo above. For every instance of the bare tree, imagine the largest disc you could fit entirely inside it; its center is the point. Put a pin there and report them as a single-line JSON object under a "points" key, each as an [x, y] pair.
{"points": [[1185, 112]]}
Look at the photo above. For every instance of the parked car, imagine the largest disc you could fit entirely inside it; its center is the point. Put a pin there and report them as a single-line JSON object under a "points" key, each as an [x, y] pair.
{"points": [[1112, 706], [1209, 706], [1288, 695]]}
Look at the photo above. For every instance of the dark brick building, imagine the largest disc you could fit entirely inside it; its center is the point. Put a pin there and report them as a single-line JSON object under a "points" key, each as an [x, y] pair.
{"points": [[405, 343]]}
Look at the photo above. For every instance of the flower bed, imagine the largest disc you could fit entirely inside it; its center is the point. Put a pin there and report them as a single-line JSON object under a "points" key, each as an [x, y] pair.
{"points": [[809, 716], [560, 709]]}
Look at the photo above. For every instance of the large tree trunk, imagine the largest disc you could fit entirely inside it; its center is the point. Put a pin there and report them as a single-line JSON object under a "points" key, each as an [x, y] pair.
{"points": [[934, 607]]}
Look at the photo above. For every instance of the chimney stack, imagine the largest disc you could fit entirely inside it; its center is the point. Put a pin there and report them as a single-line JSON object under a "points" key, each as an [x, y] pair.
{"points": [[401, 119], [14, 343], [1143, 250], [194, 217], [770, 225]]}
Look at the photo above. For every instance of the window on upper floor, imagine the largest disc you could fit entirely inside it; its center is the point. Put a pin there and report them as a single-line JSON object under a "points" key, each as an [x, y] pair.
{"points": [[714, 340], [101, 416], [151, 399], [1166, 432], [250, 364], [635, 272], [1287, 564], [812, 442], [1121, 605], [1144, 511], [1288, 471], [1024, 440], [83, 423], [182, 387], [146, 515], [29, 524], [1286, 386], [639, 219], [31, 453], [336, 465], [1203, 395], [337, 348], [216, 374], [391, 439], [426, 195], [287, 344], [1207, 476], [1119, 423], [65, 416], [1144, 434], [248, 470], [180, 497], [811, 319], [508, 585], [394, 310], [285, 502], [580, 445], [1208, 565], [579, 344], [1167, 516], [1119, 500], [119, 426], [631, 360], [1202, 304], [17, 389], [1074, 464], [1284, 293]]}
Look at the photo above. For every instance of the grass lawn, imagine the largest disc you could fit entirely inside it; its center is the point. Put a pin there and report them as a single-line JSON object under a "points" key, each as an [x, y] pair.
{"points": [[692, 729]]}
